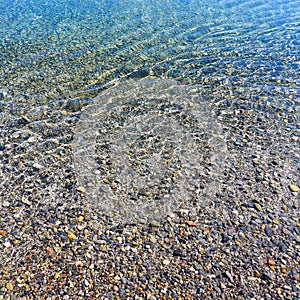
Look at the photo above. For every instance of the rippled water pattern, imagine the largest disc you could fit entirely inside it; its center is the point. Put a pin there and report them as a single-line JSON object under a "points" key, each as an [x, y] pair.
{"points": [[56, 49], [56, 56]]}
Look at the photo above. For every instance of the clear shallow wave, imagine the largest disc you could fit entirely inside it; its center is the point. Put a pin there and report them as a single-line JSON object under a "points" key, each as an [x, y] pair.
{"points": [[56, 56], [58, 48]]}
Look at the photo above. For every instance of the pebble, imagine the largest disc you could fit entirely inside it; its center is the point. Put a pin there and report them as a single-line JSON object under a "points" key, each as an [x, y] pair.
{"points": [[178, 252], [71, 236], [258, 207], [230, 254], [294, 188], [37, 166], [229, 277], [81, 189], [223, 286], [269, 230], [166, 262], [9, 286], [191, 223], [106, 180], [271, 262], [296, 276], [5, 204], [3, 94], [80, 218], [155, 223]]}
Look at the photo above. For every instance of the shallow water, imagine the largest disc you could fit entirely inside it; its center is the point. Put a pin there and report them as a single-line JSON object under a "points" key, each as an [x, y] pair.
{"points": [[56, 49], [244, 55]]}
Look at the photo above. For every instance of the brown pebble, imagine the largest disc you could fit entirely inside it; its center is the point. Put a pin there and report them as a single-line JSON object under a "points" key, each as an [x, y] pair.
{"points": [[49, 251], [106, 180], [71, 236], [191, 223], [9, 286], [271, 262], [296, 276]]}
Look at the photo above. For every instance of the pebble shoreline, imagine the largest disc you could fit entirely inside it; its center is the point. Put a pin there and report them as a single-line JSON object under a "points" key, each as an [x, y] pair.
{"points": [[245, 245], [56, 56]]}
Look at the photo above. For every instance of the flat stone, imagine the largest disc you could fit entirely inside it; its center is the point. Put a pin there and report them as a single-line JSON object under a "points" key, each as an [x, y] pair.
{"points": [[269, 230], [223, 286], [271, 262], [155, 223], [37, 166], [258, 207], [178, 252], [71, 236], [267, 276], [81, 189], [166, 262], [294, 188], [5, 204], [9, 286]]}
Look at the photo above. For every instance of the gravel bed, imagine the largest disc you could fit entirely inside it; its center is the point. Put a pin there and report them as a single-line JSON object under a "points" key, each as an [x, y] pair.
{"points": [[244, 245]]}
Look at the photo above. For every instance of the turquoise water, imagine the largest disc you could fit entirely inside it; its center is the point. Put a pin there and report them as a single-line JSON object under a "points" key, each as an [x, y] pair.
{"points": [[58, 49]]}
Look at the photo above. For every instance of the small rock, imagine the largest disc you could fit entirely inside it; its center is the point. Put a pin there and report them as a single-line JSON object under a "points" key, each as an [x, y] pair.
{"points": [[37, 166], [271, 262], [252, 278], [106, 180], [26, 201], [119, 239], [256, 161], [178, 252], [192, 223], [166, 262], [81, 189], [258, 207], [225, 238], [7, 244], [5, 204], [223, 286], [142, 193], [3, 232], [296, 276], [79, 263], [228, 275], [9, 286], [266, 276], [115, 288], [3, 94], [80, 218], [71, 236], [155, 223], [294, 188], [269, 230]]}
